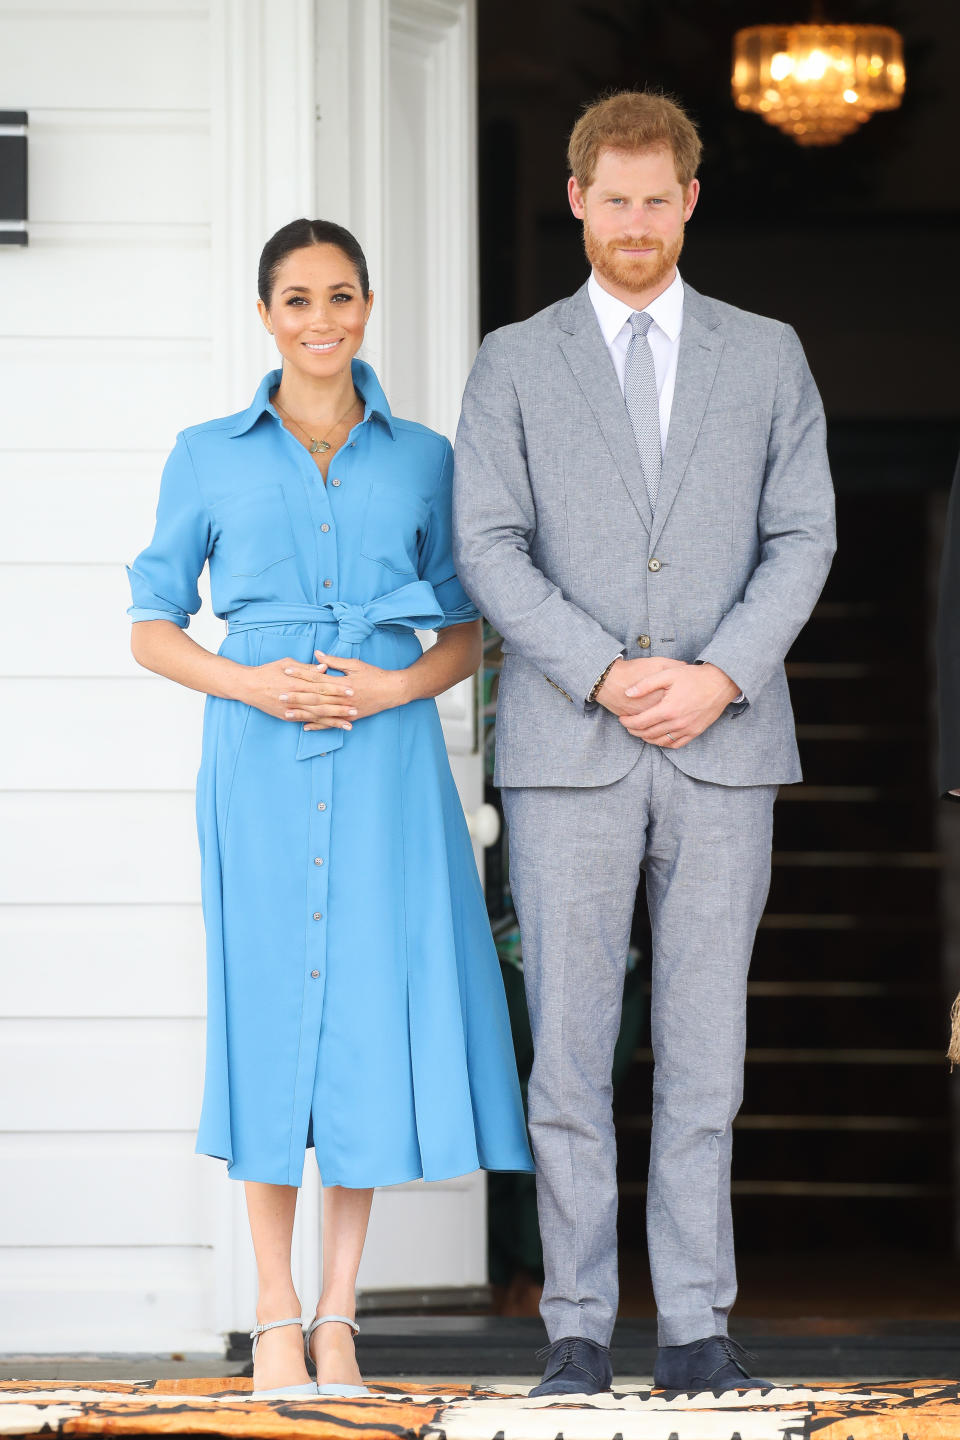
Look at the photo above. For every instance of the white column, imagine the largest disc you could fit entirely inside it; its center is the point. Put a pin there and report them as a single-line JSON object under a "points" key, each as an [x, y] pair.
{"points": [[263, 131]]}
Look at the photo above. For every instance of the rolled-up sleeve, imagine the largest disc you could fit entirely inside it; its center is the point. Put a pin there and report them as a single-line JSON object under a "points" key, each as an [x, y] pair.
{"points": [[436, 552], [163, 578]]}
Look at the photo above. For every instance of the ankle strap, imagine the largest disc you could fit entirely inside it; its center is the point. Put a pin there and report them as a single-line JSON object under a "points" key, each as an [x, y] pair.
{"points": [[258, 1330], [329, 1319]]}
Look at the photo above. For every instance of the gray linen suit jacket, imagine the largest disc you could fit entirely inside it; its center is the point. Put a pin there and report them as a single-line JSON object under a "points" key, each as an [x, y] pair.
{"points": [[555, 541]]}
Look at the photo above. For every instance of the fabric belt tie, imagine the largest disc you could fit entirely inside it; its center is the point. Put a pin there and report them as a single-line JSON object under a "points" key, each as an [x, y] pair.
{"points": [[412, 607]]}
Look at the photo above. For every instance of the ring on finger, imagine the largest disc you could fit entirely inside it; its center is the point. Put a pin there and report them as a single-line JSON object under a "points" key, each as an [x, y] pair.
{"points": [[669, 736]]}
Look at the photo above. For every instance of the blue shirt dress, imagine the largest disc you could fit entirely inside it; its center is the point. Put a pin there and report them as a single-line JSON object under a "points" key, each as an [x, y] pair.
{"points": [[354, 997]]}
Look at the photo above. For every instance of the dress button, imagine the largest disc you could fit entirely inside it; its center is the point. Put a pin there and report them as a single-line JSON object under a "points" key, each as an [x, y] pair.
{"points": [[318, 861], [321, 806], [324, 528], [654, 565], [327, 584], [334, 482], [323, 754], [315, 974], [643, 641], [318, 914]]}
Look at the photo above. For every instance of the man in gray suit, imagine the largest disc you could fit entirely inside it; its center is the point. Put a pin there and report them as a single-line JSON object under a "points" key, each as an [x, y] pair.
{"points": [[643, 509]]}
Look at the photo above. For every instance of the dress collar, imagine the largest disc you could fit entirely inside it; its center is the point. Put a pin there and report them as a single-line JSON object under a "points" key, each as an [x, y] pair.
{"points": [[612, 314], [364, 378]]}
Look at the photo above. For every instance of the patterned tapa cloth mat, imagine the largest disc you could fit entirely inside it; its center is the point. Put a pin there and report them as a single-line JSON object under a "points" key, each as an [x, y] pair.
{"points": [[906, 1410]]}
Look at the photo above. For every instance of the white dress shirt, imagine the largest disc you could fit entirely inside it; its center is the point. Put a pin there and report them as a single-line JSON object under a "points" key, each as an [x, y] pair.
{"points": [[663, 337]]}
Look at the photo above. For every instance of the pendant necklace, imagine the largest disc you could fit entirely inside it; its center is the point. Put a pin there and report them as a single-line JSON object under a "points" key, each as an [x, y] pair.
{"points": [[317, 446]]}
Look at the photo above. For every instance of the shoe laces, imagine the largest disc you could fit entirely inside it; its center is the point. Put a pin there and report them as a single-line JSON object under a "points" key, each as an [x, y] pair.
{"points": [[741, 1357], [561, 1350]]}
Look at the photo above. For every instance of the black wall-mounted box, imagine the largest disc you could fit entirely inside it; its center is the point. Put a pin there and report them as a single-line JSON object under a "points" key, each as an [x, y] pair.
{"points": [[13, 177]]}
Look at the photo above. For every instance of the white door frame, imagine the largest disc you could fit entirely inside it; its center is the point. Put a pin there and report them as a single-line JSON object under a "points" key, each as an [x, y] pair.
{"points": [[301, 124]]}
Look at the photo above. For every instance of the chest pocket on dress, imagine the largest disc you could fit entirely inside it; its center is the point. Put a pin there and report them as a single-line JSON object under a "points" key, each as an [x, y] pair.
{"points": [[393, 525], [255, 531]]}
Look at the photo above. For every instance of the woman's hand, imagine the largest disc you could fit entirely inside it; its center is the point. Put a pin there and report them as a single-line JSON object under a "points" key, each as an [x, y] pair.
{"points": [[273, 688], [370, 688]]}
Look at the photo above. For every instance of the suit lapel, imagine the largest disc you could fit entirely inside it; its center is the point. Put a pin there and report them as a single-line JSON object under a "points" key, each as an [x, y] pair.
{"points": [[700, 347], [582, 344]]}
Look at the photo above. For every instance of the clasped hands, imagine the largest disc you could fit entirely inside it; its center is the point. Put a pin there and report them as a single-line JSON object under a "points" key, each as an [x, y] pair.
{"points": [[289, 690], [666, 702]]}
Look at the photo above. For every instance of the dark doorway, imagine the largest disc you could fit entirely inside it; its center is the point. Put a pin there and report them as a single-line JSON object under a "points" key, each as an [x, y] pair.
{"points": [[846, 1152]]}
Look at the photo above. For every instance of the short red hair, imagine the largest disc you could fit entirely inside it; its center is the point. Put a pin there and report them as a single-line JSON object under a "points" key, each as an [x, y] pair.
{"points": [[630, 121]]}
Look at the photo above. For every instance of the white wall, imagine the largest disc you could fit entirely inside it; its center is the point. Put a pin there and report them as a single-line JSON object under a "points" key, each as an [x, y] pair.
{"points": [[168, 138]]}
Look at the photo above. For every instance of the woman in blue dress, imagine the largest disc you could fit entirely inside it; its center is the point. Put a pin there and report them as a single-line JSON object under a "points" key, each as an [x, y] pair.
{"points": [[354, 999]]}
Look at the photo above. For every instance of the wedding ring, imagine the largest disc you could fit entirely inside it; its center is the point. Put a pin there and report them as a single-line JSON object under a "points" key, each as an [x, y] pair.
{"points": [[669, 736]]}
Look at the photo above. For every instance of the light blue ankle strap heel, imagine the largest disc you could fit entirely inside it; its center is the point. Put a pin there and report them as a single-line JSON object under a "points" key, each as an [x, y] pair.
{"points": [[282, 1392], [342, 1392]]}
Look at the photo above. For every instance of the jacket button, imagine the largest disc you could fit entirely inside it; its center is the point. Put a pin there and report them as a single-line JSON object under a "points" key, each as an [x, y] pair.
{"points": [[654, 565], [643, 641]]}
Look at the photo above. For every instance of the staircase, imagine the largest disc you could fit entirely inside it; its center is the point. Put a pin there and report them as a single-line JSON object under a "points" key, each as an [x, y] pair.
{"points": [[844, 1139]]}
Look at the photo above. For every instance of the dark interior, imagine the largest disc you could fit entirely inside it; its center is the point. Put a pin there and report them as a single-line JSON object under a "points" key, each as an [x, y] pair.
{"points": [[845, 1158]]}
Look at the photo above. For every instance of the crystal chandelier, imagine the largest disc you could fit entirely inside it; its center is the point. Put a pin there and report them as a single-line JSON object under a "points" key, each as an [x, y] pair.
{"points": [[817, 82]]}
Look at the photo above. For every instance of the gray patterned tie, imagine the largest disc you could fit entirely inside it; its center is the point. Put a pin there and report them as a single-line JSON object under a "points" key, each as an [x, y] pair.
{"points": [[643, 404]]}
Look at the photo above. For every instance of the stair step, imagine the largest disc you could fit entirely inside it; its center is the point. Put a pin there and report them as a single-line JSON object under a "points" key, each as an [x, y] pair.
{"points": [[862, 732], [872, 1124], [861, 818], [836, 989], [865, 924], [817, 1189], [827, 692], [865, 759], [854, 859], [810, 1055], [878, 955], [819, 1221], [856, 889], [823, 1082]]}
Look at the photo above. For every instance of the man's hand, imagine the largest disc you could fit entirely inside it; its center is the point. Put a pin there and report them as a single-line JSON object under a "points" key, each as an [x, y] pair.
{"points": [[613, 693], [688, 700]]}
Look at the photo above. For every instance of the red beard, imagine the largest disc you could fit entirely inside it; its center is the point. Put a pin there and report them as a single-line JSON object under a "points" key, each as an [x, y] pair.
{"points": [[631, 272]]}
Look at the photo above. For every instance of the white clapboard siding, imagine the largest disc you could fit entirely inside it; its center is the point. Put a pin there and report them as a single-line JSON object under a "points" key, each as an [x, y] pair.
{"points": [[90, 167], [155, 132], [127, 56], [108, 1222], [97, 505], [66, 289], [151, 1299], [121, 394], [137, 734], [72, 620], [444, 1236], [96, 961], [92, 1075], [89, 847], [167, 1192]]}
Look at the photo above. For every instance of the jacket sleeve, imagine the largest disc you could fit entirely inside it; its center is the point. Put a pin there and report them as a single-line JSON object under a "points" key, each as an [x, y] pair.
{"points": [[796, 531], [494, 521], [163, 578], [948, 649]]}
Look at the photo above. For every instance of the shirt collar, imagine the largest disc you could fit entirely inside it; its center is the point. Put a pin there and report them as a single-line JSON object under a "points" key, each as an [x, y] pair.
{"points": [[613, 314], [364, 378]]}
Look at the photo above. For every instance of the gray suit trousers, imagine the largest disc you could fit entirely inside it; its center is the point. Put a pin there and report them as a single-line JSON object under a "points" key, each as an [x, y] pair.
{"points": [[575, 856]]}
